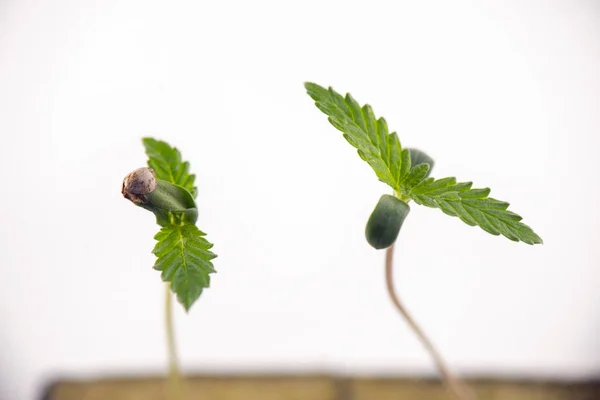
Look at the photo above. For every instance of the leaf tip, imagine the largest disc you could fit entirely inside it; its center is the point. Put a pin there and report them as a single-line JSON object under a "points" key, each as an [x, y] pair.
{"points": [[148, 141], [315, 91]]}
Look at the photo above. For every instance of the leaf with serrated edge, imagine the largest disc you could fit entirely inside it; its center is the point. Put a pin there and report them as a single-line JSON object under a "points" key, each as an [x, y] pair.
{"points": [[183, 254], [370, 136], [474, 207], [184, 258], [416, 175], [392, 165], [167, 164]]}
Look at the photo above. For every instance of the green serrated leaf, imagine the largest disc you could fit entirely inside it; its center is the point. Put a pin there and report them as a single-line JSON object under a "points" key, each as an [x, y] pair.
{"points": [[474, 207], [405, 165], [416, 175], [420, 157], [184, 258], [183, 254], [361, 128], [167, 164], [407, 170]]}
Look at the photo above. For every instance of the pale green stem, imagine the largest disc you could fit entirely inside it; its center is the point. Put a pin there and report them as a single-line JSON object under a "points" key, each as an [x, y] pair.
{"points": [[459, 389], [175, 388]]}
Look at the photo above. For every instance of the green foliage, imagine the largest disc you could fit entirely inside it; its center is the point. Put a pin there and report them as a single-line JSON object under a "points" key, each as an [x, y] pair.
{"points": [[418, 157], [415, 176], [392, 165], [184, 255], [171, 204], [474, 207], [369, 135], [184, 258], [167, 164]]}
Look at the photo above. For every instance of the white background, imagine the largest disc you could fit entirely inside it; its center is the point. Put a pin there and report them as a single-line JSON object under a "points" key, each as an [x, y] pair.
{"points": [[506, 94]]}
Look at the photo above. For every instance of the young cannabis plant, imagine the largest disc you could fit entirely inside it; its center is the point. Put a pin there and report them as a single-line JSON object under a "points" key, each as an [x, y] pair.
{"points": [[167, 189], [406, 171]]}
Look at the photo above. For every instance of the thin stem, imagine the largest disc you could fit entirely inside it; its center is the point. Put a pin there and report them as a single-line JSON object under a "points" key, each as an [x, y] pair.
{"points": [[451, 381], [175, 389]]}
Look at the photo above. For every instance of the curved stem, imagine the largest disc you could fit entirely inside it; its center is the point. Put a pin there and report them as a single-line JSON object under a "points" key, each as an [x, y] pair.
{"points": [[451, 381], [175, 389]]}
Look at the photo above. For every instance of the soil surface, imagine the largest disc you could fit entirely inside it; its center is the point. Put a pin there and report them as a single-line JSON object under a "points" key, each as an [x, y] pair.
{"points": [[315, 388]]}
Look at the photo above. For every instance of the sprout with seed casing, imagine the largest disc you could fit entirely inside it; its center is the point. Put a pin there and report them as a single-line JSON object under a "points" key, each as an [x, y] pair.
{"points": [[164, 199]]}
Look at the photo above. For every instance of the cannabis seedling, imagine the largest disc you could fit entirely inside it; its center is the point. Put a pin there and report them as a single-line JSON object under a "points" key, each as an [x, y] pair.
{"points": [[406, 171], [167, 189]]}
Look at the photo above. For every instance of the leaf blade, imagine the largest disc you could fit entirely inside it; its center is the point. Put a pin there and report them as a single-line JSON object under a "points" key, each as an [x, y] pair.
{"points": [[185, 260], [167, 164], [182, 253], [364, 131], [473, 207]]}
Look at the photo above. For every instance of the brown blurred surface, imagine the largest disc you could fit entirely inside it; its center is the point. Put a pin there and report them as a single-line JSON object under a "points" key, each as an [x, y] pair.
{"points": [[315, 388]]}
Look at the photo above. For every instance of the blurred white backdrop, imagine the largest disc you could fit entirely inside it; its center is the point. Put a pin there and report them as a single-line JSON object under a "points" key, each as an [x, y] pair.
{"points": [[506, 94]]}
